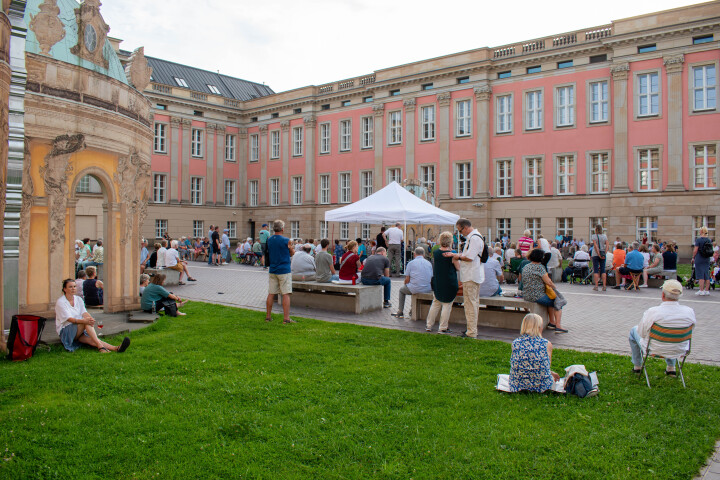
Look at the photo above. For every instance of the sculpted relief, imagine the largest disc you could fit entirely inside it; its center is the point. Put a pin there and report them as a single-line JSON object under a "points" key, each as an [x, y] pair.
{"points": [[134, 181], [138, 71], [47, 27], [92, 33]]}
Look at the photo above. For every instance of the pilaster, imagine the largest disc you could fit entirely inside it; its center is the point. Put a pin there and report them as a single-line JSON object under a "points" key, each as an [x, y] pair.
{"points": [[673, 70], [409, 137], [310, 125], [483, 93], [242, 167], [219, 165], [443, 121], [378, 115], [263, 153], [185, 166], [284, 187], [620, 73], [210, 160], [174, 159]]}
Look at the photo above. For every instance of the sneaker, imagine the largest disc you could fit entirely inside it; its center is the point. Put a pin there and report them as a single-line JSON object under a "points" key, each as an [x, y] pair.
{"points": [[699, 293], [618, 287], [387, 305], [592, 393], [465, 335], [551, 326], [706, 293], [181, 313], [643, 286], [445, 332], [397, 315], [428, 329], [560, 330]]}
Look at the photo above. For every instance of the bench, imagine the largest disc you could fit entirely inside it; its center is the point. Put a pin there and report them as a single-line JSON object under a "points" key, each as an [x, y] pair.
{"points": [[338, 297], [498, 312], [172, 277], [656, 281]]}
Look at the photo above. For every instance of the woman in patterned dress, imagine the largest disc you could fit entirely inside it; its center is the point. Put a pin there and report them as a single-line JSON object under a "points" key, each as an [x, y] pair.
{"points": [[534, 277], [531, 358]]}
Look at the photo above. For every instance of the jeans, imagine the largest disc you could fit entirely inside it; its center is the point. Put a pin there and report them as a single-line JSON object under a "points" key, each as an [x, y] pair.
{"points": [[384, 281], [637, 353]]}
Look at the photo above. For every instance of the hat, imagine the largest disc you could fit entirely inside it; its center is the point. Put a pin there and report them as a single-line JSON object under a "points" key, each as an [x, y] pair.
{"points": [[226, 230], [672, 287], [264, 224]]}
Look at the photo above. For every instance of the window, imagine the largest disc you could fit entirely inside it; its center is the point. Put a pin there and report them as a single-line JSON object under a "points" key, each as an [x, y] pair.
{"points": [[325, 138], [367, 132], [463, 180], [344, 185], [503, 227], [161, 227], [599, 100], [565, 64], [297, 141], [253, 119], [394, 93], [702, 39], [505, 74], [565, 227], [345, 103], [229, 148], [533, 110], [504, 178], [648, 169], [565, 174], [427, 86], [368, 99], [230, 188], [160, 106], [275, 144], [504, 114], [198, 113], [325, 106], [533, 176], [274, 191], [533, 224], [599, 173], [598, 58], [366, 184], [565, 106], [463, 118], [214, 89], [648, 94], [294, 229], [196, 190], [274, 115], [704, 221], [198, 228], [181, 82], [345, 135], [704, 92], [196, 147], [232, 229], [427, 177], [160, 145], [253, 193], [705, 167], [647, 48], [297, 110], [254, 148], [83, 185], [323, 229], [649, 226], [344, 230], [395, 128], [297, 190], [602, 221], [534, 69], [427, 123], [461, 80], [324, 189], [394, 175], [365, 231], [159, 188]]}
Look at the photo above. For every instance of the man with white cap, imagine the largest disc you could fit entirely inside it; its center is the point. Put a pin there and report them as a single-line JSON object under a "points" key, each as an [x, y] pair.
{"points": [[668, 314]]}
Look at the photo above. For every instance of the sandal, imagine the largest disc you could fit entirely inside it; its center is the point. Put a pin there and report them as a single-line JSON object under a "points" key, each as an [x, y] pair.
{"points": [[289, 320], [671, 373], [190, 279], [181, 283], [604, 289], [124, 345], [268, 319], [103, 350], [551, 326], [595, 288]]}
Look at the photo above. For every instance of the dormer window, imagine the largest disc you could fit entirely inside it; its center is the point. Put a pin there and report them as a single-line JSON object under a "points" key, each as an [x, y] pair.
{"points": [[214, 89], [181, 82]]}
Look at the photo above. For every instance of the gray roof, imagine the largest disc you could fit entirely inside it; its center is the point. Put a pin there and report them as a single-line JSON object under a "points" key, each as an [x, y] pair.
{"points": [[164, 72]]}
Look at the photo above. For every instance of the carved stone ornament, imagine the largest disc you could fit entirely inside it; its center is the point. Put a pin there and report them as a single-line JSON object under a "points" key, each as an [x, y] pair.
{"points": [[28, 189], [92, 33], [185, 123], [263, 130], [46, 26], [379, 109], [175, 121], [211, 126], [285, 125], [133, 178], [443, 99], [674, 64], [55, 174], [409, 104], [243, 132], [4, 128], [620, 71], [138, 71], [310, 121], [483, 92]]}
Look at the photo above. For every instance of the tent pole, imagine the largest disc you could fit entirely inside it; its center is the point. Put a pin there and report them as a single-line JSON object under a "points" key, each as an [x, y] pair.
{"points": [[404, 258]]}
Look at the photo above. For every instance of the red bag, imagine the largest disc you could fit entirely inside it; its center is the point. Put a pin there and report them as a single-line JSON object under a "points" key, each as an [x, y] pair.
{"points": [[25, 332]]}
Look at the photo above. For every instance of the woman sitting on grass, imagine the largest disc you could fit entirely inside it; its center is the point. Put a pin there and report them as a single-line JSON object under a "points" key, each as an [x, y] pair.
{"points": [[531, 358], [75, 325], [156, 294]]}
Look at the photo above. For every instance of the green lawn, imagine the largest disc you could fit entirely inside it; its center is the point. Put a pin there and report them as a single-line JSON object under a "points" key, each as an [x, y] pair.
{"points": [[222, 394]]}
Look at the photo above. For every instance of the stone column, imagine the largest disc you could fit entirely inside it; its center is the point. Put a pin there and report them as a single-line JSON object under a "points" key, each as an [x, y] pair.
{"points": [[263, 153], [219, 165], [443, 132], [185, 168], [174, 158], [409, 139], [210, 160], [285, 145], [483, 124], [673, 69], [5, 80], [242, 166], [620, 73], [310, 124], [378, 114]]}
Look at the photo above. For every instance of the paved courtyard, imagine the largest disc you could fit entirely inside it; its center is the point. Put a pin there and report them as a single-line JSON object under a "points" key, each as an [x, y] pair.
{"points": [[598, 321]]}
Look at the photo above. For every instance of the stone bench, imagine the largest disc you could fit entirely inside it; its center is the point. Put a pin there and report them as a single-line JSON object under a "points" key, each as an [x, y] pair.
{"points": [[337, 297], [172, 277], [656, 281], [498, 312]]}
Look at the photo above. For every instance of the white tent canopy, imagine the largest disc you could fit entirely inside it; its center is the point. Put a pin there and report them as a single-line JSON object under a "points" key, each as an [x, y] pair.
{"points": [[392, 204]]}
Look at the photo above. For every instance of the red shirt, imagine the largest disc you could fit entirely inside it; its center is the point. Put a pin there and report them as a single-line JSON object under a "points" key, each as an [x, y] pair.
{"points": [[348, 270], [525, 244]]}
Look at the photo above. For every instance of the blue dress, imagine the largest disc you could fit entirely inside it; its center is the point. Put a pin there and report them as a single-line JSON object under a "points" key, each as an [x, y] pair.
{"points": [[530, 365]]}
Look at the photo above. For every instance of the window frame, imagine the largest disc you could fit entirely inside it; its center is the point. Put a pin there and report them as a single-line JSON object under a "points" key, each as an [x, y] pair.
{"points": [[366, 189], [253, 193], [467, 120], [196, 144], [162, 190], [197, 187], [647, 228], [274, 193], [691, 87], [535, 230], [254, 148], [294, 228], [325, 132], [569, 226], [232, 193], [162, 138], [322, 190], [422, 169], [590, 102], [296, 190], [508, 114], [230, 143], [274, 144], [693, 166], [571, 106], [427, 126], [570, 178], [705, 221], [343, 189], [467, 180], [297, 139], [526, 176], [345, 135], [508, 179], [367, 134], [636, 155], [591, 172], [637, 96], [231, 225], [198, 228], [388, 172], [323, 229], [506, 227], [161, 227], [527, 110], [395, 130], [344, 230]]}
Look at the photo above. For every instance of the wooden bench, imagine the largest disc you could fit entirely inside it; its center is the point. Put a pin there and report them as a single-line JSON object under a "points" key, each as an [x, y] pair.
{"points": [[172, 277], [337, 297], [498, 312]]}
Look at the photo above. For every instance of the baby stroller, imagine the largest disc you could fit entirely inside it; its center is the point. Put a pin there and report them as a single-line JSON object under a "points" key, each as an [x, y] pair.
{"points": [[582, 274]]}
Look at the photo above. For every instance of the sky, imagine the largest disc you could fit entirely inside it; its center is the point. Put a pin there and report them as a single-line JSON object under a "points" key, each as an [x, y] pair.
{"points": [[291, 44]]}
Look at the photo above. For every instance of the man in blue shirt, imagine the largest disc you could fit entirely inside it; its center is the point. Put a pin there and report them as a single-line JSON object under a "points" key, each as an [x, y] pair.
{"points": [[144, 255], [279, 251], [634, 262], [418, 273]]}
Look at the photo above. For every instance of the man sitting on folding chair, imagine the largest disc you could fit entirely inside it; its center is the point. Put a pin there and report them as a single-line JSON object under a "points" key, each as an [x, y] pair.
{"points": [[667, 328]]}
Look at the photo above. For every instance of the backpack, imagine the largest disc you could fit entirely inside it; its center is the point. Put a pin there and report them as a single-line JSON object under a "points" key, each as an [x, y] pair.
{"points": [[25, 332], [706, 249], [486, 251]]}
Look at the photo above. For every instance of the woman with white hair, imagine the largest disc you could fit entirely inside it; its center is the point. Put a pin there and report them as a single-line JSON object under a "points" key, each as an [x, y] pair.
{"points": [[702, 262], [582, 257], [531, 358], [525, 243], [173, 262]]}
